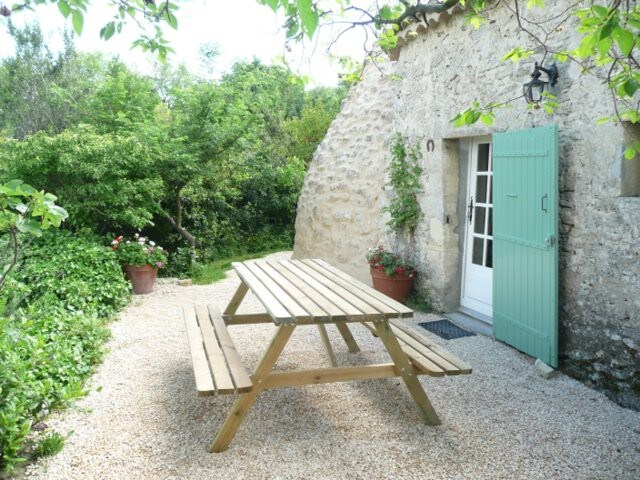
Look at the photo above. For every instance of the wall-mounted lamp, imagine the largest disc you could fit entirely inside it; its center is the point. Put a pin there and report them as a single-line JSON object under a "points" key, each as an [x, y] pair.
{"points": [[533, 90]]}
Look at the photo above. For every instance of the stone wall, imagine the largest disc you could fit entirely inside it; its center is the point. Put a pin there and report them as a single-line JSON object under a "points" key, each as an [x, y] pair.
{"points": [[442, 71]]}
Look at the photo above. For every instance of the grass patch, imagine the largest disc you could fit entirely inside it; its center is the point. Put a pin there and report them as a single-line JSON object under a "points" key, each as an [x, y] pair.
{"points": [[216, 270]]}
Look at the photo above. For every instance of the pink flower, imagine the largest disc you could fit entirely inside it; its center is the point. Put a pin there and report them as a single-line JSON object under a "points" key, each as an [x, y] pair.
{"points": [[159, 264]]}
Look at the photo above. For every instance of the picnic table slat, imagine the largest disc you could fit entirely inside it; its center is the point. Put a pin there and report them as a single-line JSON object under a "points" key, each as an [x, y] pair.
{"points": [[403, 310], [349, 311], [271, 303], [370, 312], [217, 363], [334, 312], [204, 382], [303, 299], [239, 374], [372, 300], [286, 300]]}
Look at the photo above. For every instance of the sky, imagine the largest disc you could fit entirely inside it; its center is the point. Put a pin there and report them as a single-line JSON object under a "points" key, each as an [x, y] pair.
{"points": [[241, 30]]}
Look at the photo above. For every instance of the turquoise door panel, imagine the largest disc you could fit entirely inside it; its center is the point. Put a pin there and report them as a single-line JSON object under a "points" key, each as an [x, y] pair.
{"points": [[525, 250]]}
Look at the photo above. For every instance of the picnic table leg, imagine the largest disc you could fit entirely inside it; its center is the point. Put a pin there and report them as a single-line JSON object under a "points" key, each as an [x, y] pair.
{"points": [[237, 298], [348, 337], [406, 372], [327, 344], [243, 403]]}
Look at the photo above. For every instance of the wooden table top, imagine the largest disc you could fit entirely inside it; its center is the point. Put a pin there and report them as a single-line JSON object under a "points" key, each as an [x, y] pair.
{"points": [[312, 291]]}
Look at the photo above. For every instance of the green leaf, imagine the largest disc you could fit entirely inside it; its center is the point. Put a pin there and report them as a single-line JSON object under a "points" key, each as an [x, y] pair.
{"points": [[600, 11], [31, 227], [308, 17], [629, 153], [271, 3], [604, 45], [630, 87], [535, 3], [172, 20], [107, 31], [487, 119], [625, 40], [77, 19], [517, 54], [64, 8]]}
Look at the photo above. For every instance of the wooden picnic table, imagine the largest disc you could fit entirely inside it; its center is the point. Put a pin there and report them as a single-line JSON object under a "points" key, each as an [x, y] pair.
{"points": [[307, 292]]}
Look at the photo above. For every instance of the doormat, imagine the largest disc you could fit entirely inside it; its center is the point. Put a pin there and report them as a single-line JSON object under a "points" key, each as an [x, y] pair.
{"points": [[446, 329]]}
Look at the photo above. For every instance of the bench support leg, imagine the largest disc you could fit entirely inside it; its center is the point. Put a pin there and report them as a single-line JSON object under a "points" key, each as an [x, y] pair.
{"points": [[236, 299], [348, 337], [327, 344], [406, 372], [243, 403]]}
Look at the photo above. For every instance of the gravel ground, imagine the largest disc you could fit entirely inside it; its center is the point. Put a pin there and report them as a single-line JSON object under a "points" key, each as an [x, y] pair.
{"points": [[143, 419]]}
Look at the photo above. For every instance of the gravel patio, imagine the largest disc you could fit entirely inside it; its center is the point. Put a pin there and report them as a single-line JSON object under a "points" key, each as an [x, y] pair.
{"points": [[143, 420]]}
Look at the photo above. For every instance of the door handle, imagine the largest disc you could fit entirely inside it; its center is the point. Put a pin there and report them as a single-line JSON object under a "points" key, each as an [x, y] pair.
{"points": [[544, 209], [470, 211], [550, 240]]}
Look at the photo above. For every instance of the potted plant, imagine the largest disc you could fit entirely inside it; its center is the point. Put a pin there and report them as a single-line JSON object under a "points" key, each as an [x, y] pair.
{"points": [[141, 259], [390, 274]]}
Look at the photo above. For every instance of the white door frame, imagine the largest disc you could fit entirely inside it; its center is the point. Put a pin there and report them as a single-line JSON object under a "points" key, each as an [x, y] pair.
{"points": [[476, 287]]}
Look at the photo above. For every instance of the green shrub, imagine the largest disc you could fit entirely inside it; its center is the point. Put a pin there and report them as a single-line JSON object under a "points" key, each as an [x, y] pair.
{"points": [[78, 273], [59, 298]]}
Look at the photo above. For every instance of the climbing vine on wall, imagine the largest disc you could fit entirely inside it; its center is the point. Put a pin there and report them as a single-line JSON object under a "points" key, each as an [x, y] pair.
{"points": [[404, 180]]}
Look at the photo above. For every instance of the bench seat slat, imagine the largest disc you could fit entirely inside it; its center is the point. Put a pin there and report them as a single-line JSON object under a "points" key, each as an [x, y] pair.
{"points": [[428, 357], [426, 351], [204, 382], [239, 374], [217, 363], [422, 361], [464, 367]]}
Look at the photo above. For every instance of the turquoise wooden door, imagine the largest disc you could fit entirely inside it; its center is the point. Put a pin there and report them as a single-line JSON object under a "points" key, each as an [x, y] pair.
{"points": [[525, 250]]}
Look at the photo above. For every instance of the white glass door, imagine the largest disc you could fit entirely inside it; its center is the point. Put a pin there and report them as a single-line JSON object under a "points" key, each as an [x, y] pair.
{"points": [[477, 271]]}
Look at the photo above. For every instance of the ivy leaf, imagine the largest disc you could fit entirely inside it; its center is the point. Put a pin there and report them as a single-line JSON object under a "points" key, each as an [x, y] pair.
{"points": [[625, 40], [77, 19]]}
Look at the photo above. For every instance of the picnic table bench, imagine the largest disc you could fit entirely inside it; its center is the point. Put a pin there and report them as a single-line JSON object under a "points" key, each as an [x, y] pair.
{"points": [[307, 292]]}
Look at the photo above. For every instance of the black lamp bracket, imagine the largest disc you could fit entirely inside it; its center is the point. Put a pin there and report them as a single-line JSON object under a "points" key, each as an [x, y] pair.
{"points": [[552, 73]]}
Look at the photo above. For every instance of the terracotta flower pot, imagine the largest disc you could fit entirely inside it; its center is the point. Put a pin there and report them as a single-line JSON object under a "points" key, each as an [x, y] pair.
{"points": [[397, 287], [143, 279]]}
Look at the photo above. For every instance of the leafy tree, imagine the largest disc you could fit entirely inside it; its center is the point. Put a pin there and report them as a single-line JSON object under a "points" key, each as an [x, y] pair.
{"points": [[609, 33], [56, 84], [120, 99], [106, 181]]}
